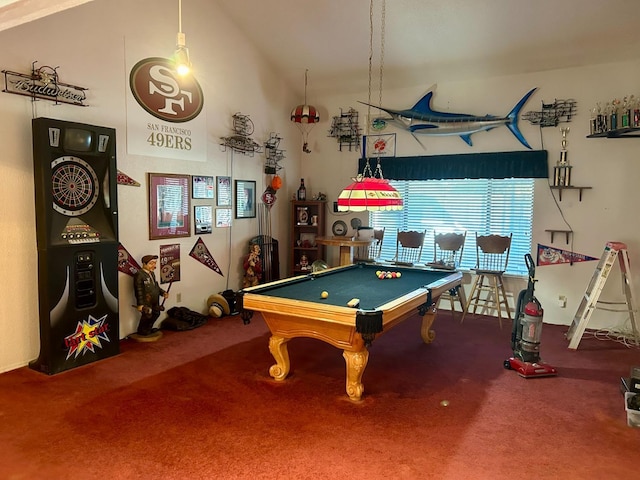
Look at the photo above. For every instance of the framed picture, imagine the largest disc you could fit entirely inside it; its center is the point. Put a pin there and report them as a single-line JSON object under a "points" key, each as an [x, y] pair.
{"points": [[224, 191], [303, 215], [245, 198], [202, 187], [169, 205], [203, 219], [223, 217]]}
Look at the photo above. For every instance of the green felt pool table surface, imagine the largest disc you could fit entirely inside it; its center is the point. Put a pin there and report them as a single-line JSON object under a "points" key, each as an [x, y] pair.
{"points": [[356, 281]]}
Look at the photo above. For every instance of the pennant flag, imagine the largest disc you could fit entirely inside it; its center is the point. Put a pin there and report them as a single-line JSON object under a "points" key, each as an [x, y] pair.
{"points": [[201, 253], [124, 179], [126, 263], [555, 256]]}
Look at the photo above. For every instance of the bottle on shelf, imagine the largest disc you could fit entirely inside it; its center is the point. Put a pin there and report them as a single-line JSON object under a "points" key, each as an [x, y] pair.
{"points": [[302, 191]]}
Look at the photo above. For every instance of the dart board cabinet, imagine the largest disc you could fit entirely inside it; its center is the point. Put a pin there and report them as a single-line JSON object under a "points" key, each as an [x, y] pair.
{"points": [[77, 240]]}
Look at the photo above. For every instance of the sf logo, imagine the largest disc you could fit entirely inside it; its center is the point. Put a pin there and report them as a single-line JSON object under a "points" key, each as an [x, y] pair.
{"points": [[163, 93], [162, 82]]}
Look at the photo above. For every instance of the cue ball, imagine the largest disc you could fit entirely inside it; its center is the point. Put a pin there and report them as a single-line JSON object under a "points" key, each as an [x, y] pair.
{"points": [[324, 294], [444, 403]]}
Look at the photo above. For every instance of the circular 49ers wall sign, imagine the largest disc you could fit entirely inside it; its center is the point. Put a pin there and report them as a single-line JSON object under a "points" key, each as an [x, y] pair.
{"points": [[163, 93]]}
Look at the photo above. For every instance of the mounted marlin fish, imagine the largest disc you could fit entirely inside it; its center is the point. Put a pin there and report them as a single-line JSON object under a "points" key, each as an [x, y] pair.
{"points": [[423, 120]]}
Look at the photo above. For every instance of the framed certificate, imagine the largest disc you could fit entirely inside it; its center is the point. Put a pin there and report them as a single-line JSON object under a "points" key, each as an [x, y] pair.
{"points": [[224, 191], [169, 205], [201, 186]]}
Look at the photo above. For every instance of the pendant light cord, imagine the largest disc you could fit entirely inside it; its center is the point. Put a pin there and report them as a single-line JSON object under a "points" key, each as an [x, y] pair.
{"points": [[383, 15]]}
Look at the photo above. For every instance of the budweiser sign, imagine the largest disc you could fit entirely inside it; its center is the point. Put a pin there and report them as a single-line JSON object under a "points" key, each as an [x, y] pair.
{"points": [[43, 84]]}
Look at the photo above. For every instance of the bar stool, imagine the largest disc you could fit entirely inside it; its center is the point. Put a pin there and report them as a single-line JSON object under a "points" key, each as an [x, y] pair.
{"points": [[492, 257], [409, 247], [370, 254], [447, 255]]}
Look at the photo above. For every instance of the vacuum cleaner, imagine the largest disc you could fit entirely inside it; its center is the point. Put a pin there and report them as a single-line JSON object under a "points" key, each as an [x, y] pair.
{"points": [[526, 333]]}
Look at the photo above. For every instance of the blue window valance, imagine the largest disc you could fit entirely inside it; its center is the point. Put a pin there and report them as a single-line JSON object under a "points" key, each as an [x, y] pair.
{"points": [[524, 164]]}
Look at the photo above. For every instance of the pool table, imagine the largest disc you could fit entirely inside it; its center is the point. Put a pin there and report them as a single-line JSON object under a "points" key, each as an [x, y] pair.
{"points": [[293, 307]]}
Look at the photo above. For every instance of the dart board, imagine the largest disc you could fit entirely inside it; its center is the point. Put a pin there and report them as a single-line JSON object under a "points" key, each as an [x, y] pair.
{"points": [[75, 186]]}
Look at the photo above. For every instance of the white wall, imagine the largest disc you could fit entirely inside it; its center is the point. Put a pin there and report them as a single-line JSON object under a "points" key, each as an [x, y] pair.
{"points": [[89, 44], [611, 167]]}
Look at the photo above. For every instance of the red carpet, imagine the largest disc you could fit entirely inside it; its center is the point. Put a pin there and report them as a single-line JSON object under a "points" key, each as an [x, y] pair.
{"points": [[201, 405]]}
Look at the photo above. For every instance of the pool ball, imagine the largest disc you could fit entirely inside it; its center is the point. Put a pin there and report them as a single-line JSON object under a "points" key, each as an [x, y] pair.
{"points": [[324, 294]]}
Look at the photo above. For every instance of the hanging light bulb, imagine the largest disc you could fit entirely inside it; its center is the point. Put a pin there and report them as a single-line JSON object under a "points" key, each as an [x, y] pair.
{"points": [[371, 192], [181, 55]]}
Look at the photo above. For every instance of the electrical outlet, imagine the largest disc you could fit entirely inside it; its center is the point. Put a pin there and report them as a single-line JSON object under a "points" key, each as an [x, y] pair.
{"points": [[178, 297], [562, 301]]}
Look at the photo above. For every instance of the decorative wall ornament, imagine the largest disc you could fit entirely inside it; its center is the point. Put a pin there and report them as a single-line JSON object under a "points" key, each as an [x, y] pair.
{"points": [[346, 130], [383, 145], [305, 117], [273, 154], [126, 263], [560, 111], [554, 256], [169, 263], [43, 84], [424, 120], [201, 253], [241, 142], [271, 167], [124, 179]]}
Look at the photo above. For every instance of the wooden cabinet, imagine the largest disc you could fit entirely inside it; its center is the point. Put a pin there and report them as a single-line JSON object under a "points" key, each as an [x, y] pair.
{"points": [[307, 223]]}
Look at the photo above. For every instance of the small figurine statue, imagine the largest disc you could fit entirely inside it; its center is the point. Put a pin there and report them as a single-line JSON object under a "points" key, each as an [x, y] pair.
{"points": [[148, 293], [252, 266], [304, 262]]}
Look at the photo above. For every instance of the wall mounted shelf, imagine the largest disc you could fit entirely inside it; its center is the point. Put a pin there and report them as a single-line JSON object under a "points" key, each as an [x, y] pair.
{"points": [[626, 132], [560, 188], [567, 234]]}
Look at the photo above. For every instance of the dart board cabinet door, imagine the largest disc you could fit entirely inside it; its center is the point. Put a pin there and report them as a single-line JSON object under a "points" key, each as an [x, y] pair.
{"points": [[77, 239]]}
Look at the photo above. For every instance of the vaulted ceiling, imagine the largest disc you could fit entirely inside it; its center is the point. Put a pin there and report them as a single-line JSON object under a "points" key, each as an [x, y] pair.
{"points": [[426, 41]]}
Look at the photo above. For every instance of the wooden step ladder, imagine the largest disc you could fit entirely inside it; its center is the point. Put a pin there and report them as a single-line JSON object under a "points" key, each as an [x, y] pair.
{"points": [[590, 302]]}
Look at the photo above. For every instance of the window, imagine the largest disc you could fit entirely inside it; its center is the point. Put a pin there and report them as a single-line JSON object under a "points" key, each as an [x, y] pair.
{"points": [[485, 206]]}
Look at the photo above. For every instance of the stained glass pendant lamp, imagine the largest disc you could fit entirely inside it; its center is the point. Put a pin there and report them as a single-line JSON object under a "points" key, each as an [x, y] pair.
{"points": [[369, 193]]}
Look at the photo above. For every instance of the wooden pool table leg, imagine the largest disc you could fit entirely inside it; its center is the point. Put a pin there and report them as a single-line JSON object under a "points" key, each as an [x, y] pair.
{"points": [[280, 352], [428, 318], [356, 363]]}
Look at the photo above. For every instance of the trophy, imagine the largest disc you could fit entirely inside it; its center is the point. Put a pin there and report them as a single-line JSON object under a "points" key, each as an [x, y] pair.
{"points": [[562, 170]]}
